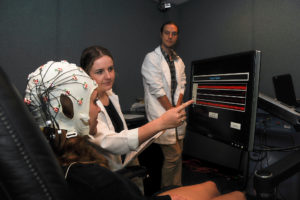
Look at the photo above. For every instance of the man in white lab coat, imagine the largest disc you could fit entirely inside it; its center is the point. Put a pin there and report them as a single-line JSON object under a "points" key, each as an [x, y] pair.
{"points": [[164, 82]]}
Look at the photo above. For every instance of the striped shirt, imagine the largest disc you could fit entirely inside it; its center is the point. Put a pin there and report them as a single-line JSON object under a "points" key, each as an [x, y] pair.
{"points": [[170, 60]]}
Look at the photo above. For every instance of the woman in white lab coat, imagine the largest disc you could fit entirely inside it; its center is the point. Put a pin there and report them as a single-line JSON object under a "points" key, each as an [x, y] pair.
{"points": [[113, 134]]}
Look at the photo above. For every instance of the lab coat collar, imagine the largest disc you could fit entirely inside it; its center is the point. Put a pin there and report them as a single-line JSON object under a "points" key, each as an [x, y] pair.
{"points": [[164, 65], [114, 99]]}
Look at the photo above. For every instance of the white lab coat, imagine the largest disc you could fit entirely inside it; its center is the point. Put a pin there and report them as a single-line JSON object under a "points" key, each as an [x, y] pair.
{"points": [[106, 137], [157, 83]]}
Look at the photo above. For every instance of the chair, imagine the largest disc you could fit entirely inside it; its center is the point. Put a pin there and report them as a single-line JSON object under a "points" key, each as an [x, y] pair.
{"points": [[28, 166], [29, 169]]}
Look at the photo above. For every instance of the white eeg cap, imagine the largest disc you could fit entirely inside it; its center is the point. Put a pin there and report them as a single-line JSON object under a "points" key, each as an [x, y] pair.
{"points": [[45, 86]]}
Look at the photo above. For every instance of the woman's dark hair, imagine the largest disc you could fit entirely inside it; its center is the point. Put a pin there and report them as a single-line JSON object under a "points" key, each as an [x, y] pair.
{"points": [[167, 23], [90, 54], [76, 149]]}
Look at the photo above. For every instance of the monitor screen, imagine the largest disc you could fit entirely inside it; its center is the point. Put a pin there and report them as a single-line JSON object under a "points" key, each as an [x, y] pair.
{"points": [[225, 92], [284, 89]]}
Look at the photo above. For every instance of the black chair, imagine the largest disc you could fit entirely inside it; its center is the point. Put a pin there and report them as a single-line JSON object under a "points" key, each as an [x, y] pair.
{"points": [[29, 169]]}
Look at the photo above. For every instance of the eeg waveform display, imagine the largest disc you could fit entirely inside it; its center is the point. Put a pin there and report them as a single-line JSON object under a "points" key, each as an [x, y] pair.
{"points": [[224, 91]]}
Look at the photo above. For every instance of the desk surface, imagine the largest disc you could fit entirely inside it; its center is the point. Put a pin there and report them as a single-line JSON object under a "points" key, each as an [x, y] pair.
{"points": [[133, 116]]}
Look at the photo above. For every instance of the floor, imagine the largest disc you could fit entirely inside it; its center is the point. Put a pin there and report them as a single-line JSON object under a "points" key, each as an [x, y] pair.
{"points": [[194, 171]]}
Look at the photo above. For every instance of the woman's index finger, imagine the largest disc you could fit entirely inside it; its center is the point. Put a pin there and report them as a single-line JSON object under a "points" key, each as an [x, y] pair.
{"points": [[184, 105]]}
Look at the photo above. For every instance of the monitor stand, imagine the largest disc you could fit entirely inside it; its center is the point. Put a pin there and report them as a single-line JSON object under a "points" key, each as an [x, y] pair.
{"points": [[213, 151]]}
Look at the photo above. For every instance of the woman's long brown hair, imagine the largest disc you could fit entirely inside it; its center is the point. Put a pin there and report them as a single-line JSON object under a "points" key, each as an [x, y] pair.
{"points": [[78, 149]]}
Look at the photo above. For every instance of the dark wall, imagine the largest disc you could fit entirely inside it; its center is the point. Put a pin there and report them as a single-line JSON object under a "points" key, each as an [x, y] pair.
{"points": [[277, 35], [28, 37], [34, 31], [213, 28]]}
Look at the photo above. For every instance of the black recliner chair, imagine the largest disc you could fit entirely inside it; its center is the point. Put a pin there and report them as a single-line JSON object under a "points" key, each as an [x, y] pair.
{"points": [[29, 169]]}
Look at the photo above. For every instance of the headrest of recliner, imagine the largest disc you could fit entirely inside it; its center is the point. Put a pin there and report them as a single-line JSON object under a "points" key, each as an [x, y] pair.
{"points": [[29, 169]]}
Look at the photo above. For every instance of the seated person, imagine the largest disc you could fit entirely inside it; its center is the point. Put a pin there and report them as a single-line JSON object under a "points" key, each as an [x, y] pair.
{"points": [[112, 134], [62, 98]]}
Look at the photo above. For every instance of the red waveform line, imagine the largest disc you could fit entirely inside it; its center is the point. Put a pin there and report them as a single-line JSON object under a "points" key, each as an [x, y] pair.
{"points": [[221, 105], [223, 87]]}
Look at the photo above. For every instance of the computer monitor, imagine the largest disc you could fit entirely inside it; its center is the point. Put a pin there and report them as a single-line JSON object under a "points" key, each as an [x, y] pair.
{"points": [[225, 92]]}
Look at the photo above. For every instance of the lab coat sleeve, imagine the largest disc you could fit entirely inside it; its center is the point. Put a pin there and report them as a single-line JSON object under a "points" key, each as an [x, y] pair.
{"points": [[152, 74], [116, 143]]}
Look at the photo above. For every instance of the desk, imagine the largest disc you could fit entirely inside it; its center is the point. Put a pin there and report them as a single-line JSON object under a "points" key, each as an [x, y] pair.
{"points": [[135, 120]]}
